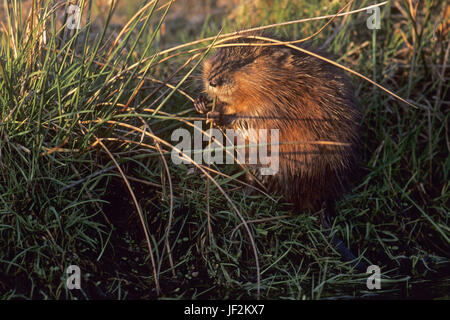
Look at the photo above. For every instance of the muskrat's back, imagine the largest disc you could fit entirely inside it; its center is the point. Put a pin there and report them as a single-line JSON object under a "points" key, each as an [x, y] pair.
{"points": [[307, 99]]}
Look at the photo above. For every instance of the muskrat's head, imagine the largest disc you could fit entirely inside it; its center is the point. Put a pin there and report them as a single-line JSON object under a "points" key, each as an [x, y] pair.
{"points": [[241, 70]]}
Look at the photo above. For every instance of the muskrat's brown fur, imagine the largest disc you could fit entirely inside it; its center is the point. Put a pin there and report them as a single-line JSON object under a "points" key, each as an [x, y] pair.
{"points": [[307, 99]]}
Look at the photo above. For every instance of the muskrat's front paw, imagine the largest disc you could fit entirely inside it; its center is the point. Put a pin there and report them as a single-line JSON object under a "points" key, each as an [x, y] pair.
{"points": [[213, 117], [200, 104]]}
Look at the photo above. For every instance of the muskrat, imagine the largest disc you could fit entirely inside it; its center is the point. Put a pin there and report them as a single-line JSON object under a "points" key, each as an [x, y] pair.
{"points": [[307, 99]]}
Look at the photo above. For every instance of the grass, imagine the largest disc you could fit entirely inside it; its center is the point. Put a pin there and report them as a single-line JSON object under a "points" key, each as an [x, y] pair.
{"points": [[86, 176]]}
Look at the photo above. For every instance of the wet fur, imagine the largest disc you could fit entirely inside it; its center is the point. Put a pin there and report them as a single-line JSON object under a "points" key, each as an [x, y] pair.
{"points": [[307, 99]]}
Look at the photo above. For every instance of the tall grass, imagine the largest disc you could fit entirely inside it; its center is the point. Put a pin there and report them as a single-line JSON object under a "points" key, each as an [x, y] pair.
{"points": [[86, 176]]}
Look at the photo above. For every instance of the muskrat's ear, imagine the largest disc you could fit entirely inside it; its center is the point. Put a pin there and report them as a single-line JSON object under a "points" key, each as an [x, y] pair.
{"points": [[281, 53]]}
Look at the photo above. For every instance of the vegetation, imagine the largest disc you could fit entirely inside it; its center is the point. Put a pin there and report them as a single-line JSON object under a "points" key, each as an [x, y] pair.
{"points": [[86, 176]]}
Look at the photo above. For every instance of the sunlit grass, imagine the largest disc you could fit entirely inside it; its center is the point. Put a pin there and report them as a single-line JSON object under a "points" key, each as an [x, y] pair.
{"points": [[86, 176]]}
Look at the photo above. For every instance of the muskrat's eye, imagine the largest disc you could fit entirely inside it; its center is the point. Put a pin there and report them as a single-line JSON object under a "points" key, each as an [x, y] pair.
{"points": [[216, 81]]}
